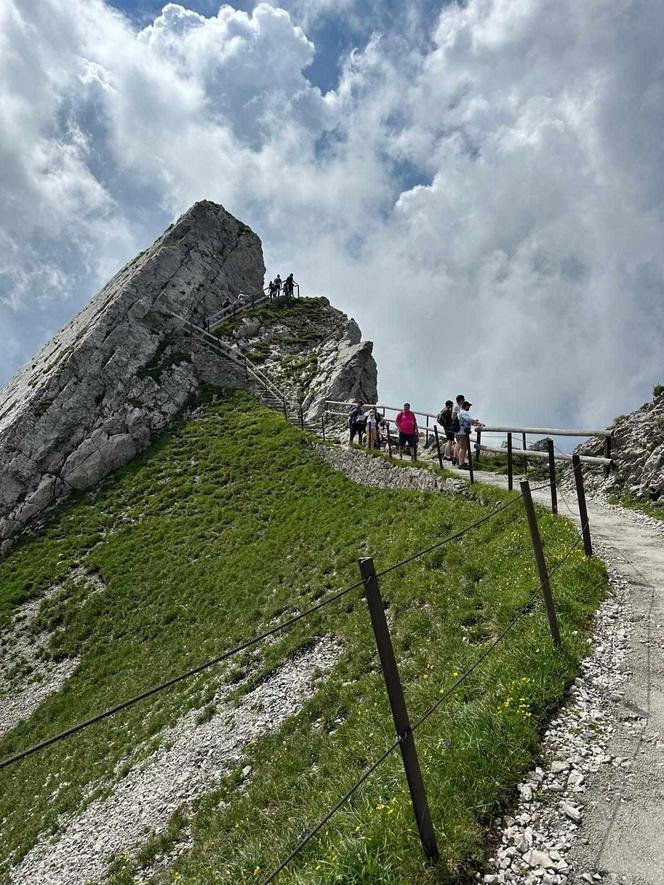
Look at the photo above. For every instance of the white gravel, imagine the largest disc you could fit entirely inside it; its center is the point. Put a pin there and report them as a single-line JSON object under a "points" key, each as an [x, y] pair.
{"points": [[191, 760]]}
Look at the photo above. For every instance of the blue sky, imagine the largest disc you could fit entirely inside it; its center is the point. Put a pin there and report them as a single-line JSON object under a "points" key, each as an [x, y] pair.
{"points": [[424, 165]]}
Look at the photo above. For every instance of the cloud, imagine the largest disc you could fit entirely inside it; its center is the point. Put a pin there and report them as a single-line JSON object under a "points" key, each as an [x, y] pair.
{"points": [[483, 188]]}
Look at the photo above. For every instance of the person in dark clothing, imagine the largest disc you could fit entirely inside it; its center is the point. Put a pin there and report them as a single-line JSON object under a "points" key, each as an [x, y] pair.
{"points": [[289, 286], [357, 422], [277, 285], [445, 419]]}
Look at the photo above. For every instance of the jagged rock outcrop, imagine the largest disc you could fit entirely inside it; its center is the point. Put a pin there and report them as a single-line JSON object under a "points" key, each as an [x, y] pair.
{"points": [[313, 351], [638, 449], [111, 379]]}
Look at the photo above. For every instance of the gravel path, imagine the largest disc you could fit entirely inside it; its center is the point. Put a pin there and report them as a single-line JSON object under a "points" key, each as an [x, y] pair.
{"points": [[597, 803], [191, 760]]}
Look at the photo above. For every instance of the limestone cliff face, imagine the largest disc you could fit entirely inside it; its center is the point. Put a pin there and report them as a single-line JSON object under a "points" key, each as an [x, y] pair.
{"points": [[99, 391], [311, 350], [638, 449]]}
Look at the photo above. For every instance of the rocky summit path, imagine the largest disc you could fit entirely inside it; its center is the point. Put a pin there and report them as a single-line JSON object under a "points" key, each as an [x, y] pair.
{"points": [[621, 835]]}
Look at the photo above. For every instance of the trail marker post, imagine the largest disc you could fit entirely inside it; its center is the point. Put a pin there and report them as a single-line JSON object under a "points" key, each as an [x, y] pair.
{"points": [[510, 466], [552, 476], [540, 561], [583, 511], [440, 456], [399, 711]]}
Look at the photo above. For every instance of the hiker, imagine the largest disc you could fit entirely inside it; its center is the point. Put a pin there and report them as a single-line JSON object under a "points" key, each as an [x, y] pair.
{"points": [[383, 431], [270, 289], [445, 419], [456, 408], [277, 285], [463, 436], [357, 422], [372, 430], [289, 286], [407, 424]]}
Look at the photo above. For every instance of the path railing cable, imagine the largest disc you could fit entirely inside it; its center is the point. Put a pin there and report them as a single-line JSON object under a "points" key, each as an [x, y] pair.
{"points": [[243, 646], [366, 774]]}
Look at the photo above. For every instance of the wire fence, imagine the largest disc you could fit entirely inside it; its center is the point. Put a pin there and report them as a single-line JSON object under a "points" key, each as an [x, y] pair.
{"points": [[401, 738]]}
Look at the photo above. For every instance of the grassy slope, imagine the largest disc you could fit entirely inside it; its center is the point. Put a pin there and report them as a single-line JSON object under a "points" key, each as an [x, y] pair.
{"points": [[231, 521]]}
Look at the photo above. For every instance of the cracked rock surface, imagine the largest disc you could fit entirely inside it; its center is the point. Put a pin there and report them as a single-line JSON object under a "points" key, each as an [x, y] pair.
{"points": [[119, 372]]}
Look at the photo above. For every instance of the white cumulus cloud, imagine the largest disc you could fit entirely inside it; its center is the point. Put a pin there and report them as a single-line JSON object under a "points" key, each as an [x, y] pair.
{"points": [[486, 201]]}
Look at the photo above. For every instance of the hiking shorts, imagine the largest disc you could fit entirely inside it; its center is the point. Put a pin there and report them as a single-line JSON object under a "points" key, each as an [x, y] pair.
{"points": [[407, 439], [449, 435]]}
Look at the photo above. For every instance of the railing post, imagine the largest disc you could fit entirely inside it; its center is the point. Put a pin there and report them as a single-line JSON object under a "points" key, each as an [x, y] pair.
{"points": [[322, 424], [552, 476], [536, 541], [389, 441], [440, 456], [583, 511], [525, 460], [470, 461], [399, 711], [479, 444], [607, 453], [510, 471], [426, 434]]}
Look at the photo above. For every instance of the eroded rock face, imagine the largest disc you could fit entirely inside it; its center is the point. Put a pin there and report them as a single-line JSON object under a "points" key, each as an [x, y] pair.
{"points": [[638, 449], [117, 374]]}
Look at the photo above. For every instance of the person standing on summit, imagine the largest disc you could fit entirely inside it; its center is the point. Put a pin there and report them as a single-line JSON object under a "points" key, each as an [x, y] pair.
{"points": [[289, 286], [407, 425], [277, 285], [463, 436]]}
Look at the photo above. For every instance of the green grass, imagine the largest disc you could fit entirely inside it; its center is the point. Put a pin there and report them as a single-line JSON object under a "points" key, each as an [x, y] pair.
{"points": [[632, 503], [227, 523]]}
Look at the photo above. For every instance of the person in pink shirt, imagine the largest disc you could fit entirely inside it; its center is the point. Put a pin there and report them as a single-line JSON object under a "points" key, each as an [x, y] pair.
{"points": [[407, 426]]}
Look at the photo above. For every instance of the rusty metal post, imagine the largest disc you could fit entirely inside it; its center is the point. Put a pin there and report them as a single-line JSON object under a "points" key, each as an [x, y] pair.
{"points": [[399, 710], [552, 476], [525, 460], [470, 461], [510, 470], [536, 541], [583, 511], [607, 453], [440, 456], [479, 445]]}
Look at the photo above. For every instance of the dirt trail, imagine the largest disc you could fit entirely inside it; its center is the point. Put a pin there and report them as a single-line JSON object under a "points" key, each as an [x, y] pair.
{"points": [[622, 835]]}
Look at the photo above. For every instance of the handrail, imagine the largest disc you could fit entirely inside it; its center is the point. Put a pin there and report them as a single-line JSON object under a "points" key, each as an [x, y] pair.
{"points": [[533, 453], [538, 431], [234, 356]]}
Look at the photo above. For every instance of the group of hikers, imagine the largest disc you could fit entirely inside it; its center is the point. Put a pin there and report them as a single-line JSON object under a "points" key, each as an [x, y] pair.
{"points": [[277, 286], [454, 418]]}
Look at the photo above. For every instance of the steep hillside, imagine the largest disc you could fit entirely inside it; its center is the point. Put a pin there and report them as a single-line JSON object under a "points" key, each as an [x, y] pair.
{"points": [[313, 351], [638, 448], [226, 526]]}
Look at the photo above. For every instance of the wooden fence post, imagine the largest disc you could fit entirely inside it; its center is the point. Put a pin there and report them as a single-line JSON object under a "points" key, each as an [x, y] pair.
{"points": [[510, 469], [399, 710], [426, 436], [525, 460], [479, 444], [470, 461], [607, 453], [389, 441], [536, 541], [440, 456], [322, 424], [583, 511], [552, 476]]}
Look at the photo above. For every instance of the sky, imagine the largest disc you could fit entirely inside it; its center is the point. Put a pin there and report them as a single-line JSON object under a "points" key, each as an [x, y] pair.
{"points": [[480, 183]]}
